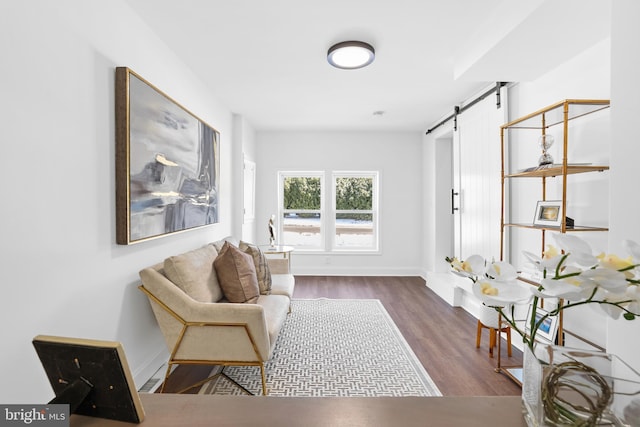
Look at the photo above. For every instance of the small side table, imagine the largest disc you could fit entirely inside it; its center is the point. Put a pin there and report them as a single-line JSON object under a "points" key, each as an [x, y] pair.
{"points": [[278, 250]]}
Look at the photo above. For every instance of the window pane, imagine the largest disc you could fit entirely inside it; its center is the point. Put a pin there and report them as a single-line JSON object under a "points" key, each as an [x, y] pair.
{"points": [[354, 230], [302, 193], [302, 229], [354, 193]]}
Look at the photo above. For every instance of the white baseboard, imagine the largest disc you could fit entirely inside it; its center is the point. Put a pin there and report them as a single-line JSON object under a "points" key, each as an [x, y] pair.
{"points": [[332, 270]]}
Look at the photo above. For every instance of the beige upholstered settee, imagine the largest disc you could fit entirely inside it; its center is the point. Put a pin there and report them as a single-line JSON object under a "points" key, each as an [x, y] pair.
{"points": [[219, 305]]}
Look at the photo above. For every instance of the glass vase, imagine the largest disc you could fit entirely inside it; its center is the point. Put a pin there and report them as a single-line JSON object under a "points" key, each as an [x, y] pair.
{"points": [[564, 386]]}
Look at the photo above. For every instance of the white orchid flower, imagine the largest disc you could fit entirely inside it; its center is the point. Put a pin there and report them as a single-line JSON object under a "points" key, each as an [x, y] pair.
{"points": [[534, 259], [579, 251], [572, 288], [614, 262], [472, 267], [502, 271], [501, 293], [549, 261], [582, 258], [611, 280], [633, 294], [571, 243], [475, 264], [633, 249], [610, 310], [551, 264], [572, 273]]}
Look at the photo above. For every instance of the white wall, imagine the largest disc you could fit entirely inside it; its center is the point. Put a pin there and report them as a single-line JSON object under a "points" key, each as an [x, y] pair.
{"points": [[588, 75], [397, 155], [622, 337], [438, 182], [63, 274], [438, 230], [244, 146]]}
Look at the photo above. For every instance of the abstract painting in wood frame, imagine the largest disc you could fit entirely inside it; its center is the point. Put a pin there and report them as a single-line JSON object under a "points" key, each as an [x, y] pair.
{"points": [[167, 164]]}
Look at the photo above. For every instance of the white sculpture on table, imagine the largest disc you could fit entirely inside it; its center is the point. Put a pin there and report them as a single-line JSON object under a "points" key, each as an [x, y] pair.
{"points": [[272, 232]]}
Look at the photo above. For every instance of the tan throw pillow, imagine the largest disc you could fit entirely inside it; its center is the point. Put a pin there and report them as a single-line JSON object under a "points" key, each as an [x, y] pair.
{"points": [[236, 274], [218, 244], [262, 267], [193, 272]]}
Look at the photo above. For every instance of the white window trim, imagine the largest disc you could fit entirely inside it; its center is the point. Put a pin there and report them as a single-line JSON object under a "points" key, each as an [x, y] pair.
{"points": [[281, 211], [327, 218], [375, 175]]}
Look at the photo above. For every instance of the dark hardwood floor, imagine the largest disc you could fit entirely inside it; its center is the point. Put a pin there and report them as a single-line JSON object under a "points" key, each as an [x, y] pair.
{"points": [[441, 336]]}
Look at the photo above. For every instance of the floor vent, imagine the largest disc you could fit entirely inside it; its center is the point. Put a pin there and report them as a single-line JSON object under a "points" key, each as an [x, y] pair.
{"points": [[154, 382]]}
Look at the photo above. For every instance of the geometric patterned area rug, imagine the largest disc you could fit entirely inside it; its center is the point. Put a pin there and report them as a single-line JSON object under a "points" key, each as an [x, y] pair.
{"points": [[335, 348]]}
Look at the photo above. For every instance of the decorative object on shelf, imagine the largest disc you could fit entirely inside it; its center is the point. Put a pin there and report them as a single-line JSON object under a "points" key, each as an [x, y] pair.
{"points": [[574, 274], [556, 168], [548, 213], [272, 232], [167, 164], [547, 329], [545, 141]]}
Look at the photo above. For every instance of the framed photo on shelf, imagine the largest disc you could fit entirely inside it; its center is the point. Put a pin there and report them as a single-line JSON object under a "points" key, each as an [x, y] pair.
{"points": [[548, 213], [548, 328]]}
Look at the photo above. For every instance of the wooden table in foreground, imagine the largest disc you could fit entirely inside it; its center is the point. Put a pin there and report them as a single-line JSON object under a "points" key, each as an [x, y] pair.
{"points": [[206, 410]]}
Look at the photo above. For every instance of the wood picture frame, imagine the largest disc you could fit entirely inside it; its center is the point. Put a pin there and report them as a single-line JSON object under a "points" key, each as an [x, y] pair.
{"points": [[91, 376], [167, 164], [548, 213]]}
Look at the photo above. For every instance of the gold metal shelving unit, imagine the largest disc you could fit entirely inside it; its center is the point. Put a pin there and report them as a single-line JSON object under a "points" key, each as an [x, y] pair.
{"points": [[558, 114]]}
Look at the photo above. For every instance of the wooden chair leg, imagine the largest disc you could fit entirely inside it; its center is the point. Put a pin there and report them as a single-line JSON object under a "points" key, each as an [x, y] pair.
{"points": [[509, 341], [492, 341], [479, 334]]}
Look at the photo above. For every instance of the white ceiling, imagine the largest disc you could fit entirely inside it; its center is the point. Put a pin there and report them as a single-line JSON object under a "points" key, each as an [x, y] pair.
{"points": [[266, 60]]}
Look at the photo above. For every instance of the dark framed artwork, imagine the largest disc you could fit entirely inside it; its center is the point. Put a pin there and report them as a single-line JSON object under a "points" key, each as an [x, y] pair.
{"points": [[167, 164], [548, 213], [91, 376]]}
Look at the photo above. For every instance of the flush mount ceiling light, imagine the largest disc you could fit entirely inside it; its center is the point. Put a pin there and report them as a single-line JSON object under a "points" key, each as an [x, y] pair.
{"points": [[351, 55]]}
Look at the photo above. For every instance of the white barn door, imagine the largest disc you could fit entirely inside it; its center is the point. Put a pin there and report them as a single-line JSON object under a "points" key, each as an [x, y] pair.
{"points": [[476, 168]]}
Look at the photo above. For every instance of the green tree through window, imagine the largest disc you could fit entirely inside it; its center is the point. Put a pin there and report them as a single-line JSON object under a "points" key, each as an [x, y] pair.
{"points": [[343, 217], [302, 193]]}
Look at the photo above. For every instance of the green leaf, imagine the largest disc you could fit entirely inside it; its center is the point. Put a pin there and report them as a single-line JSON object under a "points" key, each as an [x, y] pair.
{"points": [[629, 316]]}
